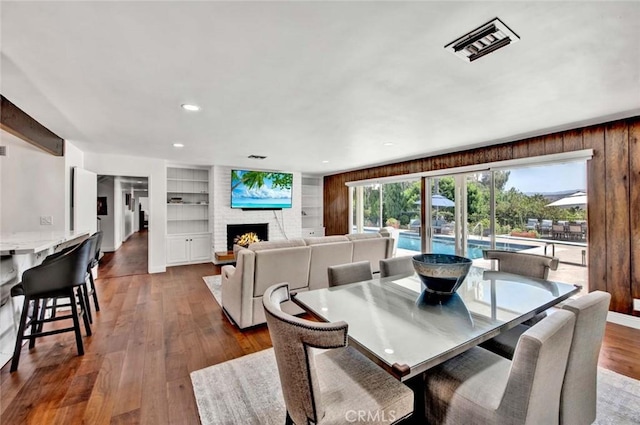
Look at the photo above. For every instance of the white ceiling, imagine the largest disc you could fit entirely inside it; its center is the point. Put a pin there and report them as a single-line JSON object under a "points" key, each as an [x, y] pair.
{"points": [[303, 82]]}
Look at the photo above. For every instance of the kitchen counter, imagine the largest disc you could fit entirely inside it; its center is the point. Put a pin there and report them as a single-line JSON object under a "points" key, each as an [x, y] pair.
{"points": [[34, 242]]}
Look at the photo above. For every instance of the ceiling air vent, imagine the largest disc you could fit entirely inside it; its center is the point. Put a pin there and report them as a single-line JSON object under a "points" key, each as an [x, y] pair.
{"points": [[483, 40], [3, 151], [256, 157]]}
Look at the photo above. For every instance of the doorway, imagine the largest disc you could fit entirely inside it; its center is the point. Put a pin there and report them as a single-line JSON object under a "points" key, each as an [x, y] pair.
{"points": [[124, 203]]}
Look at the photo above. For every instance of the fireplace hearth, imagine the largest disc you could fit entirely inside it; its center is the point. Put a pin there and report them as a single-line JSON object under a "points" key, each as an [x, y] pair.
{"points": [[236, 230]]}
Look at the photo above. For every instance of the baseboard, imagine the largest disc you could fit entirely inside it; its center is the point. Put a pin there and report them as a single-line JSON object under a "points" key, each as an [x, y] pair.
{"points": [[157, 269], [624, 319]]}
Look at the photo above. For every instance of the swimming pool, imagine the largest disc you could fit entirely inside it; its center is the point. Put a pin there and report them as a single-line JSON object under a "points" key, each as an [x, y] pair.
{"points": [[443, 245]]}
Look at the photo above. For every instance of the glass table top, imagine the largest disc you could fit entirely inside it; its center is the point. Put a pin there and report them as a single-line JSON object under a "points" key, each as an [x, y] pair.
{"points": [[406, 331]]}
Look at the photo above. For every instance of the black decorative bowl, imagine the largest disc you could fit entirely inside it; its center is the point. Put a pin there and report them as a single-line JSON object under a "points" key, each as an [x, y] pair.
{"points": [[441, 274]]}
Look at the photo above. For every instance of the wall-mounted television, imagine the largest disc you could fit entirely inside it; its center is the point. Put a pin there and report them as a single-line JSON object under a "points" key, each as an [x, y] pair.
{"points": [[261, 189]]}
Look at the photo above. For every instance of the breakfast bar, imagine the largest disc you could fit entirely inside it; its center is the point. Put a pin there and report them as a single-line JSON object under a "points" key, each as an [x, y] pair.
{"points": [[20, 251]]}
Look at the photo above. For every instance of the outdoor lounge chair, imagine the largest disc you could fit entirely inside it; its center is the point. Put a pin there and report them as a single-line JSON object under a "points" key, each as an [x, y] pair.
{"points": [[545, 227], [532, 224]]}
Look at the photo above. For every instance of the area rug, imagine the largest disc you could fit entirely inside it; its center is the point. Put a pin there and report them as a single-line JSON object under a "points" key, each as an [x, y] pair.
{"points": [[247, 390], [214, 285]]}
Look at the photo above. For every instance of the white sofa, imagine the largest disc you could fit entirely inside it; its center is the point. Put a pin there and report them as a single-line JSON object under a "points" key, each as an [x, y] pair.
{"points": [[302, 263]]}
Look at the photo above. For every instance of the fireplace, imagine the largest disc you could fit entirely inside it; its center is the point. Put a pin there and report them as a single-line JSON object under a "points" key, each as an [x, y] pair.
{"points": [[235, 230]]}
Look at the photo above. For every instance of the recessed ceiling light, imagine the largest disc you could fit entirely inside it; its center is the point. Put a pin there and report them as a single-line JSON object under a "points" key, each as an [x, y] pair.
{"points": [[178, 145], [325, 162], [190, 107], [139, 181], [387, 144]]}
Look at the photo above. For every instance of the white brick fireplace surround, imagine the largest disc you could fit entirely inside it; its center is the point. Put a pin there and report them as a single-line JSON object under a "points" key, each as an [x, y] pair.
{"points": [[222, 213]]}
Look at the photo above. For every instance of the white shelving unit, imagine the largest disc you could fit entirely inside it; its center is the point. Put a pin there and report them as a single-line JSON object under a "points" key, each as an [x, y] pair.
{"points": [[188, 236], [312, 218]]}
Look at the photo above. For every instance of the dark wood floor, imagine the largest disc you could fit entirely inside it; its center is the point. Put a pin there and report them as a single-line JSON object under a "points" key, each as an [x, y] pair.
{"points": [[153, 331], [131, 258]]}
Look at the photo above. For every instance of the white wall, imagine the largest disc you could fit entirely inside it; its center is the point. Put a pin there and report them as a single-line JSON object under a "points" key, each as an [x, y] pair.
{"points": [[127, 216], [105, 188], [32, 185], [155, 170], [222, 213]]}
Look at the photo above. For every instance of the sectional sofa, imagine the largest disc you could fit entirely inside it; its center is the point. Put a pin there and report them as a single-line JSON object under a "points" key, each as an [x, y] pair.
{"points": [[302, 263]]}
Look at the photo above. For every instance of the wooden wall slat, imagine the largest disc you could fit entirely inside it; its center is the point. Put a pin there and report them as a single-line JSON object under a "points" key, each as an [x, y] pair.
{"points": [[572, 141], [553, 143], [536, 146], [634, 201], [617, 220], [520, 149], [596, 209]]}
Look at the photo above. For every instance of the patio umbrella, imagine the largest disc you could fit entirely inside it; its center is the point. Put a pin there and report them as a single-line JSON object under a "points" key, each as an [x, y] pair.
{"points": [[441, 201], [578, 199]]}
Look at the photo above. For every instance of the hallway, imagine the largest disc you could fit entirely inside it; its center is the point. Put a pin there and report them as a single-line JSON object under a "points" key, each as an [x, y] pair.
{"points": [[130, 259]]}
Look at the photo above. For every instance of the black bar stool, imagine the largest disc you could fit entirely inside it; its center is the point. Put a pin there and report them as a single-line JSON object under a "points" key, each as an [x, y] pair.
{"points": [[60, 277]]}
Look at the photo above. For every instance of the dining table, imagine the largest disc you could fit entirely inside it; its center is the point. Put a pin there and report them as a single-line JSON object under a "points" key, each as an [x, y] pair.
{"points": [[407, 330]]}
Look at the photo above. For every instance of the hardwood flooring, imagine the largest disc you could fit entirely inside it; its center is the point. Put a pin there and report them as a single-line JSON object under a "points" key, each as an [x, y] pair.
{"points": [[152, 331], [131, 258]]}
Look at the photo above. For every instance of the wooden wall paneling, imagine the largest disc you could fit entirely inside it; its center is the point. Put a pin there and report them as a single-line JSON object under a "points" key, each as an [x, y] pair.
{"points": [[520, 149], [553, 143], [634, 201], [596, 232], [504, 152], [612, 203], [480, 156], [596, 209], [536, 146], [617, 219], [572, 141]]}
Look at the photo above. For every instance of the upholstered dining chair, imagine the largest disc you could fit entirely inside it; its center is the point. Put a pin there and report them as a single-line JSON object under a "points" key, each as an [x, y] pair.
{"points": [[579, 390], [348, 273], [61, 277], [396, 266], [481, 387], [332, 386], [524, 264]]}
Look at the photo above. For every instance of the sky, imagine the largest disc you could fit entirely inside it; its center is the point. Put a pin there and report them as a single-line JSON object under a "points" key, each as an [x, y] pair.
{"points": [[549, 178]]}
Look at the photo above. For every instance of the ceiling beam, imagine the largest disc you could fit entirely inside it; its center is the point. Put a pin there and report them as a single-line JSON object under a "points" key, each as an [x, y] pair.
{"points": [[15, 121]]}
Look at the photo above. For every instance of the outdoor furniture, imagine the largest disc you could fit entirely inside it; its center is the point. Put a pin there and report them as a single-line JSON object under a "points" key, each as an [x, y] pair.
{"points": [[546, 226], [578, 400], [558, 231], [481, 387], [575, 232], [348, 273], [332, 386], [532, 224]]}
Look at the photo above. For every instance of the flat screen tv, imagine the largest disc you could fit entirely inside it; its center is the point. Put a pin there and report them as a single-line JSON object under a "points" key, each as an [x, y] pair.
{"points": [[260, 189]]}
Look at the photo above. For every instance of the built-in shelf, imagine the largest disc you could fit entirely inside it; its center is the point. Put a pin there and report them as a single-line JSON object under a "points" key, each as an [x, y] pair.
{"points": [[189, 217], [312, 206]]}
